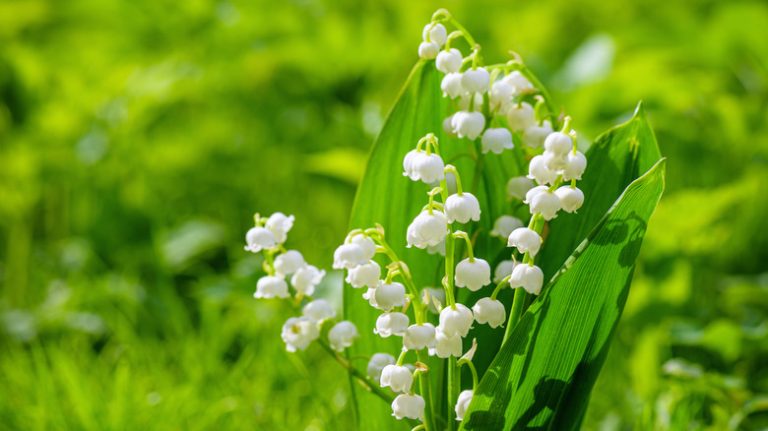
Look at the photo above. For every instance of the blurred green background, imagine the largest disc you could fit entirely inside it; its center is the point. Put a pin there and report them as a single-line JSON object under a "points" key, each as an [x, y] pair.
{"points": [[138, 137]]}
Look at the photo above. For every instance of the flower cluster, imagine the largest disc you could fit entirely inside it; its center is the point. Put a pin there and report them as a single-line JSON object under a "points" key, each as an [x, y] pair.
{"points": [[267, 237]]}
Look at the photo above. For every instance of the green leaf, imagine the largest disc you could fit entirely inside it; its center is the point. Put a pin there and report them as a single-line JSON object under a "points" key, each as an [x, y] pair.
{"points": [[543, 375]]}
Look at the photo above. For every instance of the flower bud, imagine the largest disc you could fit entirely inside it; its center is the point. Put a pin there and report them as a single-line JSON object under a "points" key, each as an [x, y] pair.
{"points": [[520, 83], [558, 143], [504, 225], [529, 277], [462, 208], [449, 61], [456, 320], [571, 198], [490, 311], [419, 337], [451, 85], [503, 269], [435, 32], [462, 403], [468, 124], [365, 275], [428, 50], [535, 135], [377, 363], [538, 170], [517, 187], [521, 116], [389, 324], [341, 335], [473, 274], [525, 240], [306, 278], [298, 332], [496, 140], [545, 203], [259, 238], [271, 286], [408, 406], [289, 262], [427, 229], [475, 80], [446, 345], [397, 377], [318, 310], [279, 224], [575, 164]]}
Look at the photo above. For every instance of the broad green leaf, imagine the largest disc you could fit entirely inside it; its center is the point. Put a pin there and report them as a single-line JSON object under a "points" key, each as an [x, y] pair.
{"points": [[543, 375]]}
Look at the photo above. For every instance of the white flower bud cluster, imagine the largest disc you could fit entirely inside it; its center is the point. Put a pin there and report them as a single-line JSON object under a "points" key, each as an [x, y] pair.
{"points": [[267, 238]]}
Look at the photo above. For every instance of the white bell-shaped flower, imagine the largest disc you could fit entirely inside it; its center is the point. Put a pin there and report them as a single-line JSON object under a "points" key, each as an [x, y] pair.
{"points": [[468, 124], [529, 277], [271, 286], [525, 240], [366, 244], [571, 198], [289, 262], [449, 61], [377, 363], [298, 332], [435, 32], [396, 377], [430, 295], [517, 187], [446, 345], [456, 320], [554, 161], [448, 127], [575, 164], [348, 256], [342, 335], [389, 324], [470, 101], [504, 225], [496, 140], [319, 310], [462, 403], [437, 249], [520, 83], [503, 269], [365, 275], [501, 95], [545, 203], [558, 143], [259, 238], [427, 229], [386, 296], [419, 337], [428, 50], [490, 311], [473, 274], [462, 208], [306, 279], [408, 407], [535, 135], [533, 192], [451, 85], [280, 224], [520, 116], [476, 80], [420, 166], [538, 170]]}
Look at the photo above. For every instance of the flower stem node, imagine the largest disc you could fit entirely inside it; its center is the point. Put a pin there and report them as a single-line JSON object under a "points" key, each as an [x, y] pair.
{"points": [[525, 240], [342, 335], [271, 286], [455, 320], [473, 274], [259, 238], [419, 337], [521, 116], [496, 140], [462, 404], [462, 208], [365, 275], [529, 277], [428, 229], [468, 124], [449, 61], [490, 311], [299, 332], [393, 323], [377, 363], [571, 198], [408, 406], [396, 377], [504, 225]]}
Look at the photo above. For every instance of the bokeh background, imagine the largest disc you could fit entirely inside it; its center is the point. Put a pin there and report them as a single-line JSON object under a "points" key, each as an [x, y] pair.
{"points": [[138, 137]]}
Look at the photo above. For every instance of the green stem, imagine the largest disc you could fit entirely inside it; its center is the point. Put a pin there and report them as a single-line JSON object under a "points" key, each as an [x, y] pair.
{"points": [[357, 375], [504, 282], [426, 393], [454, 385]]}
